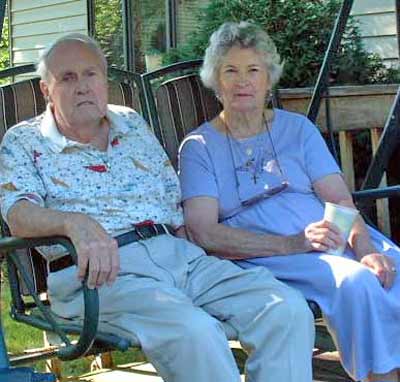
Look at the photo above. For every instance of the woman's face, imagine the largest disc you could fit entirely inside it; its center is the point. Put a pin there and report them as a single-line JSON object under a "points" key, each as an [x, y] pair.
{"points": [[243, 80]]}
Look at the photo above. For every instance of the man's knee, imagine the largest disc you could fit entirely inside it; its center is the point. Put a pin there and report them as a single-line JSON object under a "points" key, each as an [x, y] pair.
{"points": [[201, 328], [195, 348], [197, 330], [279, 303], [293, 311], [289, 313]]}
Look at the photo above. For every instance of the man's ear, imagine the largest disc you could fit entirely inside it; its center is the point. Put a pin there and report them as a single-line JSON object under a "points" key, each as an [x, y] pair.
{"points": [[44, 89]]}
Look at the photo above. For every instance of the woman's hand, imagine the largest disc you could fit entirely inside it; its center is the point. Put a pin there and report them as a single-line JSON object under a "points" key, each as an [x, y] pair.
{"points": [[322, 236], [383, 266]]}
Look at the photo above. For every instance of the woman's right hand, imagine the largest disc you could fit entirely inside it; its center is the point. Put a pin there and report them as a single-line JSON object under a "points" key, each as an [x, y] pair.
{"points": [[322, 236]]}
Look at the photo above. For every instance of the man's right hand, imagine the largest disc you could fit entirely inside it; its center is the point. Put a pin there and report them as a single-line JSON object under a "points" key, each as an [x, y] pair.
{"points": [[96, 249]]}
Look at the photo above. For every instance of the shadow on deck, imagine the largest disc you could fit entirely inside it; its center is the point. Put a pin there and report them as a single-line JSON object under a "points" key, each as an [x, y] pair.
{"points": [[325, 365]]}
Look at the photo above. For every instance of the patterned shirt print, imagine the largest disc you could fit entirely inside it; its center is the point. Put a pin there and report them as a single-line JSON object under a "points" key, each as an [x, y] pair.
{"points": [[130, 182]]}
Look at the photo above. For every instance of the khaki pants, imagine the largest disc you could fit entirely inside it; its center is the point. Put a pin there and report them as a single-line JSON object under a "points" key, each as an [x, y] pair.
{"points": [[173, 297]]}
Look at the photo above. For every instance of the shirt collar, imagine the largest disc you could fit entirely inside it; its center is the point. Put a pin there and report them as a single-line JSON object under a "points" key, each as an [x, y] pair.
{"points": [[59, 142]]}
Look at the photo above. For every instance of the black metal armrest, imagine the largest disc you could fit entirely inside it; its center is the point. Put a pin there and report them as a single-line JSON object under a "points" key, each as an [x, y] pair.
{"points": [[91, 300], [376, 193]]}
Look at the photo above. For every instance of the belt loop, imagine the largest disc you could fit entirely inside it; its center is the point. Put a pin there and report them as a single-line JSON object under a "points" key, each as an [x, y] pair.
{"points": [[165, 229], [137, 230]]}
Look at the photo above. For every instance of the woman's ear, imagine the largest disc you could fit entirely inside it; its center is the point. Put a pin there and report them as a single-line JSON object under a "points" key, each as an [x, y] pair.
{"points": [[218, 94], [268, 97]]}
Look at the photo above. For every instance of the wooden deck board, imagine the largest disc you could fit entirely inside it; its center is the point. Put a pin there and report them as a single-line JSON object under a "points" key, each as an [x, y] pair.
{"points": [[144, 372]]}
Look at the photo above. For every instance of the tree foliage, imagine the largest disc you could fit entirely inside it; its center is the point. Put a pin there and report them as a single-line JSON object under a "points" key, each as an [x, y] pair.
{"points": [[109, 30], [301, 31], [148, 23], [4, 49]]}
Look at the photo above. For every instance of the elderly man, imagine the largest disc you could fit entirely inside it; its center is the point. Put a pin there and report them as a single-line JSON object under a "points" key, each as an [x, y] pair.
{"points": [[91, 172]]}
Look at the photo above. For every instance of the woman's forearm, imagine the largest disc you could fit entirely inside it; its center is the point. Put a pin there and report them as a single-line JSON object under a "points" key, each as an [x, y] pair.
{"points": [[333, 189], [360, 240], [233, 243]]}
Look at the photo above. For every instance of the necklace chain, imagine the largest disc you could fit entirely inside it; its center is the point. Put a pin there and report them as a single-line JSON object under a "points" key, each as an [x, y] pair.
{"points": [[254, 164]]}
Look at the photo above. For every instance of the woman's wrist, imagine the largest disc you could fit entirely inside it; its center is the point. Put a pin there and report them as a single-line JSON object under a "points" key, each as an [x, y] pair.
{"points": [[295, 244], [362, 248]]}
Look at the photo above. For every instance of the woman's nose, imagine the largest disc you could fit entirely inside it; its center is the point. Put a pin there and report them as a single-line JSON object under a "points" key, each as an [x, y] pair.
{"points": [[242, 79]]}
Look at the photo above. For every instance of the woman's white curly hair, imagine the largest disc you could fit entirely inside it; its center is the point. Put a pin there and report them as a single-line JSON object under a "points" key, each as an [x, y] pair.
{"points": [[244, 34]]}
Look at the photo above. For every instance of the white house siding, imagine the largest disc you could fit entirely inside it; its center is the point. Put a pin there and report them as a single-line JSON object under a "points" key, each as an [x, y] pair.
{"points": [[36, 23], [377, 20]]}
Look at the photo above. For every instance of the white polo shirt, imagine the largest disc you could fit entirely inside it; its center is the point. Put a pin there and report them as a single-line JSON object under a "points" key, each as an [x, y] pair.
{"points": [[130, 182]]}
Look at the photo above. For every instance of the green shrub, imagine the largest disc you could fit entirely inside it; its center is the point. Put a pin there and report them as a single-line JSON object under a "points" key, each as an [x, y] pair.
{"points": [[109, 30], [301, 31], [4, 52]]}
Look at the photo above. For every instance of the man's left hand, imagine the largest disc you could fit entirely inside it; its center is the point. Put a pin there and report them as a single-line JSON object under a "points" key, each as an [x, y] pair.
{"points": [[383, 266]]}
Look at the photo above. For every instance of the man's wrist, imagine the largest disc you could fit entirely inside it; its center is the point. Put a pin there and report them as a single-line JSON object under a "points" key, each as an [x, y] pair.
{"points": [[70, 221]]}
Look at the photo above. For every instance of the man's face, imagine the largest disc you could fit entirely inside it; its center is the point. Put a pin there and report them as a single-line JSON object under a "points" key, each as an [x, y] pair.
{"points": [[76, 85]]}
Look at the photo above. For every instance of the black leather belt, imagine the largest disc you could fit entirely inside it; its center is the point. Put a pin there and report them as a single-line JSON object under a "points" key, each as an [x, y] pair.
{"points": [[142, 231]]}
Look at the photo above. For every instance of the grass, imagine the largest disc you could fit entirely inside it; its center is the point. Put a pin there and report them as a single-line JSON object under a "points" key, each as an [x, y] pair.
{"points": [[20, 337]]}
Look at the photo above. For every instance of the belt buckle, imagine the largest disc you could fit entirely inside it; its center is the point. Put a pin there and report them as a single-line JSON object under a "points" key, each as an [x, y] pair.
{"points": [[145, 224]]}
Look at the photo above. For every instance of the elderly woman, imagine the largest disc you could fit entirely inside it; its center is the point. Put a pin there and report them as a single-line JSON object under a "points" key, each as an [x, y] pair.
{"points": [[254, 184]]}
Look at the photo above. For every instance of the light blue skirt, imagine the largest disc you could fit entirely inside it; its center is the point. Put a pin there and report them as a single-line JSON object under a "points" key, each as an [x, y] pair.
{"points": [[363, 317]]}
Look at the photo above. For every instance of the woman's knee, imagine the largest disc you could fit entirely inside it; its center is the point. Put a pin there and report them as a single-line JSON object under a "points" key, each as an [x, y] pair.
{"points": [[358, 283]]}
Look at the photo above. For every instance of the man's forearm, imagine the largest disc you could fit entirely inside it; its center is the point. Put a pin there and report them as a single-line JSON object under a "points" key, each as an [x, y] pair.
{"points": [[97, 250], [27, 219], [233, 243]]}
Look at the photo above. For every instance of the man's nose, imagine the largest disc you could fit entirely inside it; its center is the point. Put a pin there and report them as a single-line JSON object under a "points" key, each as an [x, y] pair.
{"points": [[82, 86]]}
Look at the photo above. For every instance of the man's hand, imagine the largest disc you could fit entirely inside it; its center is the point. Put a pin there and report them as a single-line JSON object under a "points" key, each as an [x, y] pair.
{"points": [[96, 249], [322, 236], [383, 266], [181, 232]]}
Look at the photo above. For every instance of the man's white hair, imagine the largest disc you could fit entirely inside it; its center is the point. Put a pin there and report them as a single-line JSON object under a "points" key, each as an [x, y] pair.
{"points": [[91, 43]]}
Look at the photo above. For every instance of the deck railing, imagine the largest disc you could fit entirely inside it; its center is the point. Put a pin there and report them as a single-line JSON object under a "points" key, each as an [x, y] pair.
{"points": [[353, 110]]}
